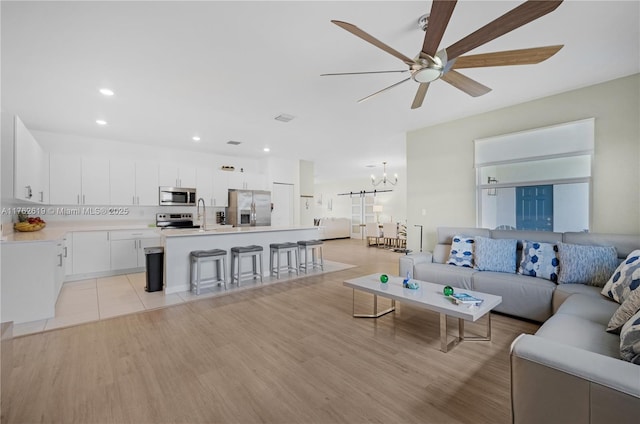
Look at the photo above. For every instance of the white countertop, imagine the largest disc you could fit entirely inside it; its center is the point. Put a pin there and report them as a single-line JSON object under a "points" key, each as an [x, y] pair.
{"points": [[230, 230], [55, 231]]}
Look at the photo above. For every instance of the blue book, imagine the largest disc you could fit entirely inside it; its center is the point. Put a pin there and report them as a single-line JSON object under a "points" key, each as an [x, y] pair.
{"points": [[466, 298]]}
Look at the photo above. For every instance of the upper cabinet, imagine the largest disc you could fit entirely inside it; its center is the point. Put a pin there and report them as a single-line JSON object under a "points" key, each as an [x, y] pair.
{"points": [[133, 182], [247, 181], [31, 169], [172, 175], [221, 188], [78, 180]]}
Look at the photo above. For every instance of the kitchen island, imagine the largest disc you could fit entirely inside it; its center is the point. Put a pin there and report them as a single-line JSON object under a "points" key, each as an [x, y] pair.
{"points": [[178, 244]]}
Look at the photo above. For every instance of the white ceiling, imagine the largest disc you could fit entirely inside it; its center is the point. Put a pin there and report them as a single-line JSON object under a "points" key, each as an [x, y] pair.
{"points": [[224, 70]]}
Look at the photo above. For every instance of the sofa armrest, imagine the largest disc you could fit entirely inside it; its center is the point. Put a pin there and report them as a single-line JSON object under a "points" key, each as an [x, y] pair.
{"points": [[407, 262], [554, 383], [613, 373]]}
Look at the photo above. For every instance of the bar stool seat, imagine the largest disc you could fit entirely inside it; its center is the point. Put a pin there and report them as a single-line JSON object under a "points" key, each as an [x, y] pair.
{"points": [[275, 251], [313, 246], [197, 258], [239, 252]]}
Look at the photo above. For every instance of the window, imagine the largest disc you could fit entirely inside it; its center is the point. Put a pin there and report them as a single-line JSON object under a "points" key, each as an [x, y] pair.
{"points": [[536, 180]]}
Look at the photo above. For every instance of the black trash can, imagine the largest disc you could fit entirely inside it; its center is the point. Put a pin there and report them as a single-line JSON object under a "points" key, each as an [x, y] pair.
{"points": [[155, 267]]}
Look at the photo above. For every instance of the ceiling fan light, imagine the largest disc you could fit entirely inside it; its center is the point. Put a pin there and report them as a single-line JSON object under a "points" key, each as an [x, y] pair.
{"points": [[425, 75]]}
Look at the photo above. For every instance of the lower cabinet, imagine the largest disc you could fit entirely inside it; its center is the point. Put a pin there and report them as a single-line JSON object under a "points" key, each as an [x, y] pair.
{"points": [[91, 252], [127, 248], [32, 274]]}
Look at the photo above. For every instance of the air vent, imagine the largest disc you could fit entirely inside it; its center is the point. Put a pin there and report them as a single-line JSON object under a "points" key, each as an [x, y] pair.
{"points": [[234, 143], [283, 117]]}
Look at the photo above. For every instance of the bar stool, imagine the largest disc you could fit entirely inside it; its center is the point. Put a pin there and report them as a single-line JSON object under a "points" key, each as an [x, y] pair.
{"points": [[198, 257], [276, 249], [305, 246], [239, 252]]}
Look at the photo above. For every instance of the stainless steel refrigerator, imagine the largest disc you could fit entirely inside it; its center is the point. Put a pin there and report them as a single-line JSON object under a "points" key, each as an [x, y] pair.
{"points": [[249, 208]]}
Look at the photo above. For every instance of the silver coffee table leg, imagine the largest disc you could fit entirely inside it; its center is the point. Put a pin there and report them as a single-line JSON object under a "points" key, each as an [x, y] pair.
{"points": [[445, 345], [375, 314]]}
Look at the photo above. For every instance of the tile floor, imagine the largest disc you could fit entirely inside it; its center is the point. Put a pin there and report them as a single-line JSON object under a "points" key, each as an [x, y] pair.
{"points": [[101, 298]]}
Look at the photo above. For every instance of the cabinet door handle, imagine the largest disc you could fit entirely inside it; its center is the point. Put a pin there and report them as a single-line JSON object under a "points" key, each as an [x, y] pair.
{"points": [[84, 200], [65, 251], [78, 199], [60, 257], [27, 192], [42, 196]]}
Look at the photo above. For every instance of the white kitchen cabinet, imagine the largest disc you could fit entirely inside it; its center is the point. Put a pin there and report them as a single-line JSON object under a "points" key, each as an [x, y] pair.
{"points": [[95, 180], [77, 180], [133, 182], [91, 252], [147, 183], [65, 173], [204, 185], [31, 166], [30, 280], [172, 175], [127, 248], [247, 181], [221, 188]]}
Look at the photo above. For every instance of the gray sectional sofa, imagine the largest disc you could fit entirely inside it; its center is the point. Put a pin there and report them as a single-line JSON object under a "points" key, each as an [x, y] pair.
{"points": [[571, 370]]}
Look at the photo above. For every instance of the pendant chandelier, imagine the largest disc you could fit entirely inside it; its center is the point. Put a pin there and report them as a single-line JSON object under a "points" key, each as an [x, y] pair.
{"points": [[384, 180]]}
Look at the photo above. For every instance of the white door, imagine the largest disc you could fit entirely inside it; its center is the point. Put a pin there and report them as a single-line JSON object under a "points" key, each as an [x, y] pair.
{"points": [[361, 213], [282, 199]]}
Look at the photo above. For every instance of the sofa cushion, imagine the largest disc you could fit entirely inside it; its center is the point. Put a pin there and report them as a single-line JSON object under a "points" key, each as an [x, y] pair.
{"points": [[495, 254], [592, 308], [625, 279], [624, 312], [563, 291], [462, 250], [581, 333], [630, 340], [522, 296], [539, 260], [444, 274], [582, 264]]}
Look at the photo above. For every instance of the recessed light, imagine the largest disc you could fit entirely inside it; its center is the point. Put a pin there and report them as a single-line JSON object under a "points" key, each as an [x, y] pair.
{"points": [[266, 149], [106, 92], [196, 138], [101, 122]]}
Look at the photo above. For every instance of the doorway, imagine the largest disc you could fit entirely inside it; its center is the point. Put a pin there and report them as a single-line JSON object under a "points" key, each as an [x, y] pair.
{"points": [[534, 208], [282, 198]]}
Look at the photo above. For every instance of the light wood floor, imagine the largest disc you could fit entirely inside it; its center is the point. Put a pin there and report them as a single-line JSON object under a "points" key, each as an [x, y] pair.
{"points": [[286, 353]]}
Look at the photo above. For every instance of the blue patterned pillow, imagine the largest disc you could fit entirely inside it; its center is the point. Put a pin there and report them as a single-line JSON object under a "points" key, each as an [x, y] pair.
{"points": [[629, 307], [461, 251], [630, 340], [539, 260], [495, 254], [625, 279], [582, 264]]}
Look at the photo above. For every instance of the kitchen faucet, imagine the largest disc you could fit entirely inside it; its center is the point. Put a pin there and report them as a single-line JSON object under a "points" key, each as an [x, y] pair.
{"points": [[204, 213]]}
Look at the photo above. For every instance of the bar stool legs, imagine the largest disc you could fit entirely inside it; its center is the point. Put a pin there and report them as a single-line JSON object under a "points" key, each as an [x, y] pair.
{"points": [[317, 261], [197, 259], [275, 251], [239, 252]]}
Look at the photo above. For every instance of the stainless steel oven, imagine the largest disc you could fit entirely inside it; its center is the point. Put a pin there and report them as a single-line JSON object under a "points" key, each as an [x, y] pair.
{"points": [[177, 196]]}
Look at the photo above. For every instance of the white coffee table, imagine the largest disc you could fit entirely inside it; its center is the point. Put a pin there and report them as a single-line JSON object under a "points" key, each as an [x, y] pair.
{"points": [[428, 296]]}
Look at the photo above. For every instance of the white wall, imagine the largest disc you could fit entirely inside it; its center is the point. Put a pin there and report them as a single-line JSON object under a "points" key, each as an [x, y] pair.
{"points": [[394, 203], [443, 154]]}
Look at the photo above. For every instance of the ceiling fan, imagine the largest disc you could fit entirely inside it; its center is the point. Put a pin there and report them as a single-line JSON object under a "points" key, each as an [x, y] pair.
{"points": [[431, 64]]}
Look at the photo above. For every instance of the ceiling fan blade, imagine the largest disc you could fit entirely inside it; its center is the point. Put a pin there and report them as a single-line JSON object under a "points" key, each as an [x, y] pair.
{"points": [[507, 57], [383, 90], [441, 11], [370, 39], [464, 83], [422, 91], [515, 18], [363, 73]]}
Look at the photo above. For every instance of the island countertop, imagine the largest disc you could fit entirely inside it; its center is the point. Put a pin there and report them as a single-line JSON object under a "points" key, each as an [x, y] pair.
{"points": [[178, 244]]}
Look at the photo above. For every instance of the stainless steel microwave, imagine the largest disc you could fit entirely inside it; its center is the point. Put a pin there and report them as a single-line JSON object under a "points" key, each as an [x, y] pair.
{"points": [[177, 196]]}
